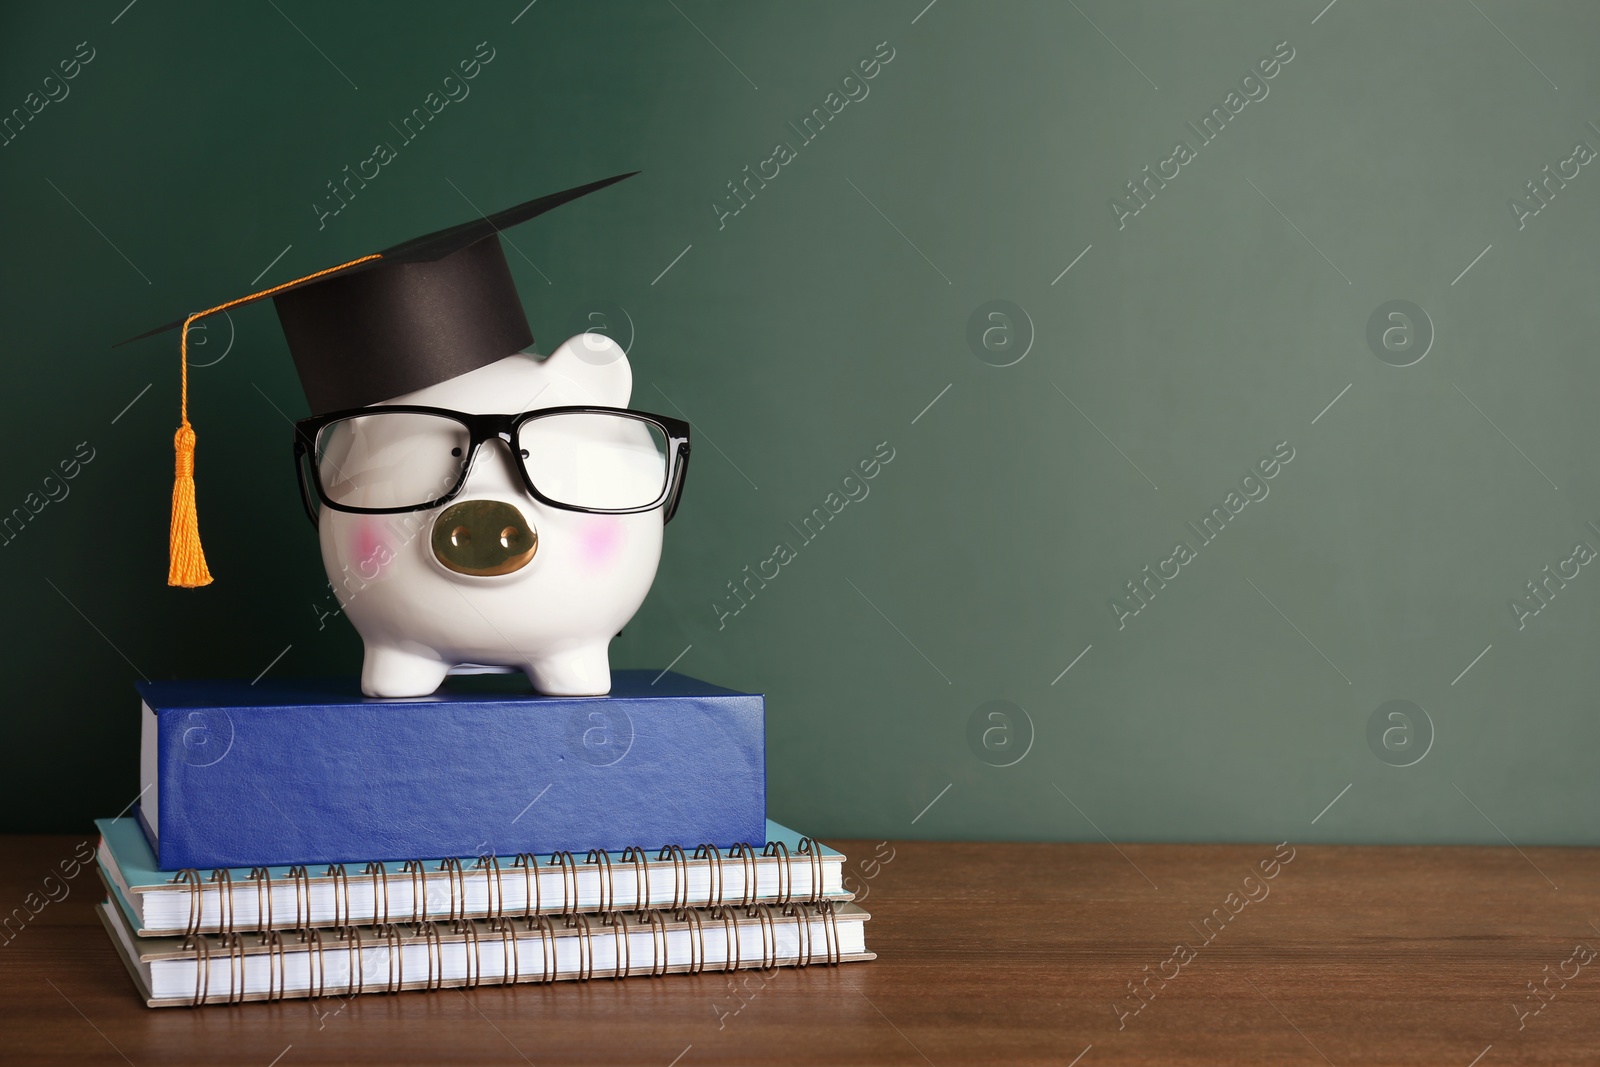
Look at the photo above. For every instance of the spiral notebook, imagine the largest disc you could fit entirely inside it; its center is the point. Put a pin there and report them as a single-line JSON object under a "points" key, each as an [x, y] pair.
{"points": [[788, 868], [233, 968]]}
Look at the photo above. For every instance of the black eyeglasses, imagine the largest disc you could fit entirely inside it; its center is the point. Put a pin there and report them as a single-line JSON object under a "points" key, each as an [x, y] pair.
{"points": [[400, 458]]}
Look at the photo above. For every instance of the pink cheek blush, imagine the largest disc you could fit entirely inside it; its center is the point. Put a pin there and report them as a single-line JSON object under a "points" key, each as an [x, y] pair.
{"points": [[600, 541], [369, 550]]}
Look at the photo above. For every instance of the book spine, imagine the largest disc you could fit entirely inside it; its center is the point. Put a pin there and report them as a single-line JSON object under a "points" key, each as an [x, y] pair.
{"points": [[605, 764]]}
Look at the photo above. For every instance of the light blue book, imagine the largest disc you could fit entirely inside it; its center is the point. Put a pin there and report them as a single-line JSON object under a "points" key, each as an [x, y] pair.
{"points": [[787, 868]]}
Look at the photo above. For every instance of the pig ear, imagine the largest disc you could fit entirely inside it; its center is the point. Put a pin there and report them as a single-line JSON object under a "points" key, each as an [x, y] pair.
{"points": [[597, 366]]}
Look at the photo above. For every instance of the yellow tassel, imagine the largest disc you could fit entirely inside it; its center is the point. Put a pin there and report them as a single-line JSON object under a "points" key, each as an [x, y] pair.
{"points": [[187, 567]]}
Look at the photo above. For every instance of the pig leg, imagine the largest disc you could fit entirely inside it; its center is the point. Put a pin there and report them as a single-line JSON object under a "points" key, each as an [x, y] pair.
{"points": [[583, 671], [389, 671]]}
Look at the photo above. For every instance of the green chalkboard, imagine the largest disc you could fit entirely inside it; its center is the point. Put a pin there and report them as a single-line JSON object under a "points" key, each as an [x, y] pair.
{"points": [[1224, 371]]}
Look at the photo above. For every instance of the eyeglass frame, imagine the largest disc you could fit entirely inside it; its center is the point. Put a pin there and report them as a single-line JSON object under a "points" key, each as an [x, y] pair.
{"points": [[481, 429]]}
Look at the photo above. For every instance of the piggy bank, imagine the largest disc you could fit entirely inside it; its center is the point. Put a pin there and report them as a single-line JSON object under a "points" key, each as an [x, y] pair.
{"points": [[510, 517]]}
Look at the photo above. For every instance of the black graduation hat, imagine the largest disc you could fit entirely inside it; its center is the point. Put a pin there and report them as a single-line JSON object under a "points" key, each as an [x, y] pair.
{"points": [[416, 314]]}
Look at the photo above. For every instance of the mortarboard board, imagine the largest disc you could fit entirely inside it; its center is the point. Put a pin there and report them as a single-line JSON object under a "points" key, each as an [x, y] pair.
{"points": [[416, 314]]}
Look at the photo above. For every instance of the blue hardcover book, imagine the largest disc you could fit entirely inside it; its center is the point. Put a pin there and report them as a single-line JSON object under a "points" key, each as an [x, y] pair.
{"points": [[300, 772]]}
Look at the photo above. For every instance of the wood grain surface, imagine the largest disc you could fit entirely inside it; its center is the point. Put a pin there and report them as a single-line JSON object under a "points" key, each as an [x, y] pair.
{"points": [[988, 954]]}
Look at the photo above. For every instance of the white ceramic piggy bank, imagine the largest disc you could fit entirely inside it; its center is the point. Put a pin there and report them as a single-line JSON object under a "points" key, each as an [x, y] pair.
{"points": [[495, 577]]}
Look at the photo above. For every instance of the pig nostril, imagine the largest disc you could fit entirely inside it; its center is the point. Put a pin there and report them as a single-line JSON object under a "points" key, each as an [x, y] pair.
{"points": [[509, 536], [460, 536], [455, 452]]}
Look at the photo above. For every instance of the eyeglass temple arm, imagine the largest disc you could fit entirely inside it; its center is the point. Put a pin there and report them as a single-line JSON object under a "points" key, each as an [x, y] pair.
{"points": [[302, 472], [677, 483]]}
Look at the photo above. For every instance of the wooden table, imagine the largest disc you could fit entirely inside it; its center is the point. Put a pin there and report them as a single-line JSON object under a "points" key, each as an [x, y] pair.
{"points": [[988, 953]]}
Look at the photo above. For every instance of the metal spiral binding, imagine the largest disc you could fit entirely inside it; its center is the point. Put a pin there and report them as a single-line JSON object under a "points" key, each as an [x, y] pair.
{"points": [[733, 910], [769, 935], [341, 892], [658, 941], [236, 968], [511, 965], [356, 957], [680, 875], [191, 877], [316, 964], [802, 933], [419, 889], [222, 878], [713, 856], [697, 939], [746, 855], [469, 945], [830, 928], [641, 877], [202, 963], [622, 948], [569, 877], [730, 934], [456, 878], [580, 922], [812, 851], [380, 876], [397, 962], [301, 882], [429, 931], [261, 878], [780, 851], [275, 964], [493, 887], [547, 945], [601, 861], [532, 898]]}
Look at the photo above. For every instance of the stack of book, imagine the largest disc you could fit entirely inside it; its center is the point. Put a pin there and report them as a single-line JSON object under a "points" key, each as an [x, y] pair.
{"points": [[301, 840]]}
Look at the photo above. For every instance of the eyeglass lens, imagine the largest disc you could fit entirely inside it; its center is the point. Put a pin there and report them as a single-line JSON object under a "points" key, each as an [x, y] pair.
{"points": [[396, 459]]}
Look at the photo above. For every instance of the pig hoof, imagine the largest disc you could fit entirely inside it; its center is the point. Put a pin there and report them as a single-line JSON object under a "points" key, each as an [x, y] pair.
{"points": [[586, 672], [392, 672]]}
